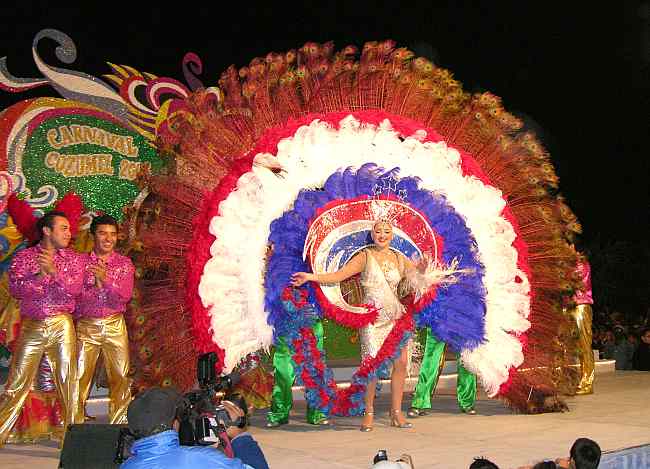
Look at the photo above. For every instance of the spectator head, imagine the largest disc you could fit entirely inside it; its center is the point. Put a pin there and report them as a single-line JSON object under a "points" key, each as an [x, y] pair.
{"points": [[153, 411], [585, 454], [545, 465], [380, 461], [390, 465], [619, 336], [482, 463], [645, 336]]}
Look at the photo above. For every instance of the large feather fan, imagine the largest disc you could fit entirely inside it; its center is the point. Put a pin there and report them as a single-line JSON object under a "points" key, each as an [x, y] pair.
{"points": [[290, 122]]}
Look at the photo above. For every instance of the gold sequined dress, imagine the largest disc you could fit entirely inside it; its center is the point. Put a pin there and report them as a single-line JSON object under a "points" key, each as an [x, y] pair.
{"points": [[379, 283]]}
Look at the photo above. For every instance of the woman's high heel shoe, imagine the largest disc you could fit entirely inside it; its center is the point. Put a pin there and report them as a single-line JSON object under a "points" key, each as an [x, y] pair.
{"points": [[394, 422], [367, 428]]}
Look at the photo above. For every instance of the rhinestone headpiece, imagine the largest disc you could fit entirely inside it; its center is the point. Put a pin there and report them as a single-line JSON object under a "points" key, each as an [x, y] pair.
{"points": [[382, 205]]}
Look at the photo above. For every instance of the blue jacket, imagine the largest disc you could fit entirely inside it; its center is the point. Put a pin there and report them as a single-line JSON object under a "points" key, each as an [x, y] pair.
{"points": [[247, 449], [163, 451]]}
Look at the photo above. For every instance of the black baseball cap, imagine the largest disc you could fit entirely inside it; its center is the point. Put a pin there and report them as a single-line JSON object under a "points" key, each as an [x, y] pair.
{"points": [[156, 407]]}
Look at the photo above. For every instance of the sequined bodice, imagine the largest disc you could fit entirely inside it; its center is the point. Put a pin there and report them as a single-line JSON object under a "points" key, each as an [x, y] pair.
{"points": [[379, 282]]}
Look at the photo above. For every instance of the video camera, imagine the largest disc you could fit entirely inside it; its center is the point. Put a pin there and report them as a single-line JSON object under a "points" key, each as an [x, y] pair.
{"points": [[202, 418]]}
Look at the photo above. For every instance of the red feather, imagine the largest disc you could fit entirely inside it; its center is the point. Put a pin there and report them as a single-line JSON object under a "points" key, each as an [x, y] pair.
{"points": [[73, 207], [23, 216]]}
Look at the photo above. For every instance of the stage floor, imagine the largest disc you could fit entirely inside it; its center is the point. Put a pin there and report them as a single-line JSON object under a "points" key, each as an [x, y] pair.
{"points": [[616, 416]]}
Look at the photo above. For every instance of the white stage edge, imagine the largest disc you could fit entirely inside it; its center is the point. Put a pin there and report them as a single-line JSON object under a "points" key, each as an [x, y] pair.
{"points": [[342, 375], [446, 383]]}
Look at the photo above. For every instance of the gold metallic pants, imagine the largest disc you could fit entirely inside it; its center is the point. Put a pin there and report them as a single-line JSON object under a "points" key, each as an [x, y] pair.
{"points": [[108, 336], [581, 316], [54, 337]]}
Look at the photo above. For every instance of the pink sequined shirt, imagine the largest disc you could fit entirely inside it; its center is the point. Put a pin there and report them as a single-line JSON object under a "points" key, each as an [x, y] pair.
{"points": [[42, 296], [115, 292], [583, 296]]}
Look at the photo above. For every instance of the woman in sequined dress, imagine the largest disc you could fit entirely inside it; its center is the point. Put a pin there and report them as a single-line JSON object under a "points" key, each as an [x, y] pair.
{"points": [[381, 271]]}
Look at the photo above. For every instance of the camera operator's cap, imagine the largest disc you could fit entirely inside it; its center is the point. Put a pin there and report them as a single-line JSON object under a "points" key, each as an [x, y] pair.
{"points": [[154, 407]]}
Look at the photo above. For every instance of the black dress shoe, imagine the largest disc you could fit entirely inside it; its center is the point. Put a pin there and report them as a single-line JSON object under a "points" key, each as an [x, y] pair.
{"points": [[414, 412]]}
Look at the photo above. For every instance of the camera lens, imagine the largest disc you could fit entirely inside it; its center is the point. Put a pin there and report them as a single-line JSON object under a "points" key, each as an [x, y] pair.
{"points": [[381, 455]]}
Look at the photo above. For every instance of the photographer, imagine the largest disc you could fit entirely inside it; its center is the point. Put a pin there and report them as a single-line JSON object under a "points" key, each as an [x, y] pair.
{"points": [[152, 420], [243, 445]]}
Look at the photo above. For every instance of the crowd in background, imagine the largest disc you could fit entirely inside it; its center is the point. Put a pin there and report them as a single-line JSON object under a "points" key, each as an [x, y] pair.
{"points": [[622, 338]]}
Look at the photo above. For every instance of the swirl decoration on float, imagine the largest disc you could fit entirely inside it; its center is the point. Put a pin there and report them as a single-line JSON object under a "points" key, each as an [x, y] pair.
{"points": [[140, 102], [76, 85], [193, 66]]}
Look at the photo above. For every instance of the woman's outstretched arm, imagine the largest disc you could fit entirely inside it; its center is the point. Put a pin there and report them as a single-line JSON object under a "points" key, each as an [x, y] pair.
{"points": [[353, 267]]}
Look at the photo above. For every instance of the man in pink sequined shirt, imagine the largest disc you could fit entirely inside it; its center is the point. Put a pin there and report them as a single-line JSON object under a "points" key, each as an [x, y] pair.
{"points": [[46, 280], [108, 286]]}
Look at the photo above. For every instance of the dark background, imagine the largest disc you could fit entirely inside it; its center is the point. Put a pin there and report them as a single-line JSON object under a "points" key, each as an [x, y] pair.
{"points": [[577, 73]]}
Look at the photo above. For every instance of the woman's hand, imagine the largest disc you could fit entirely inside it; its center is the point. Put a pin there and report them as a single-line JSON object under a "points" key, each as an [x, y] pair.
{"points": [[419, 263], [299, 278]]}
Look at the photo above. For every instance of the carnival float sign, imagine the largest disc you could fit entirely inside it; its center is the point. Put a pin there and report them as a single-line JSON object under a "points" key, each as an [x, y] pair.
{"points": [[96, 141], [55, 146]]}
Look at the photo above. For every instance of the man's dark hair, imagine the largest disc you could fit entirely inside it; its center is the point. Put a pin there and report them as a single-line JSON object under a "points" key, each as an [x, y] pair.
{"points": [[47, 220], [585, 453], [102, 220], [482, 463]]}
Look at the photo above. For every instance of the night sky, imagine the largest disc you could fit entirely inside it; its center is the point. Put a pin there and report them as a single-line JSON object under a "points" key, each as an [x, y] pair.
{"points": [[578, 75]]}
